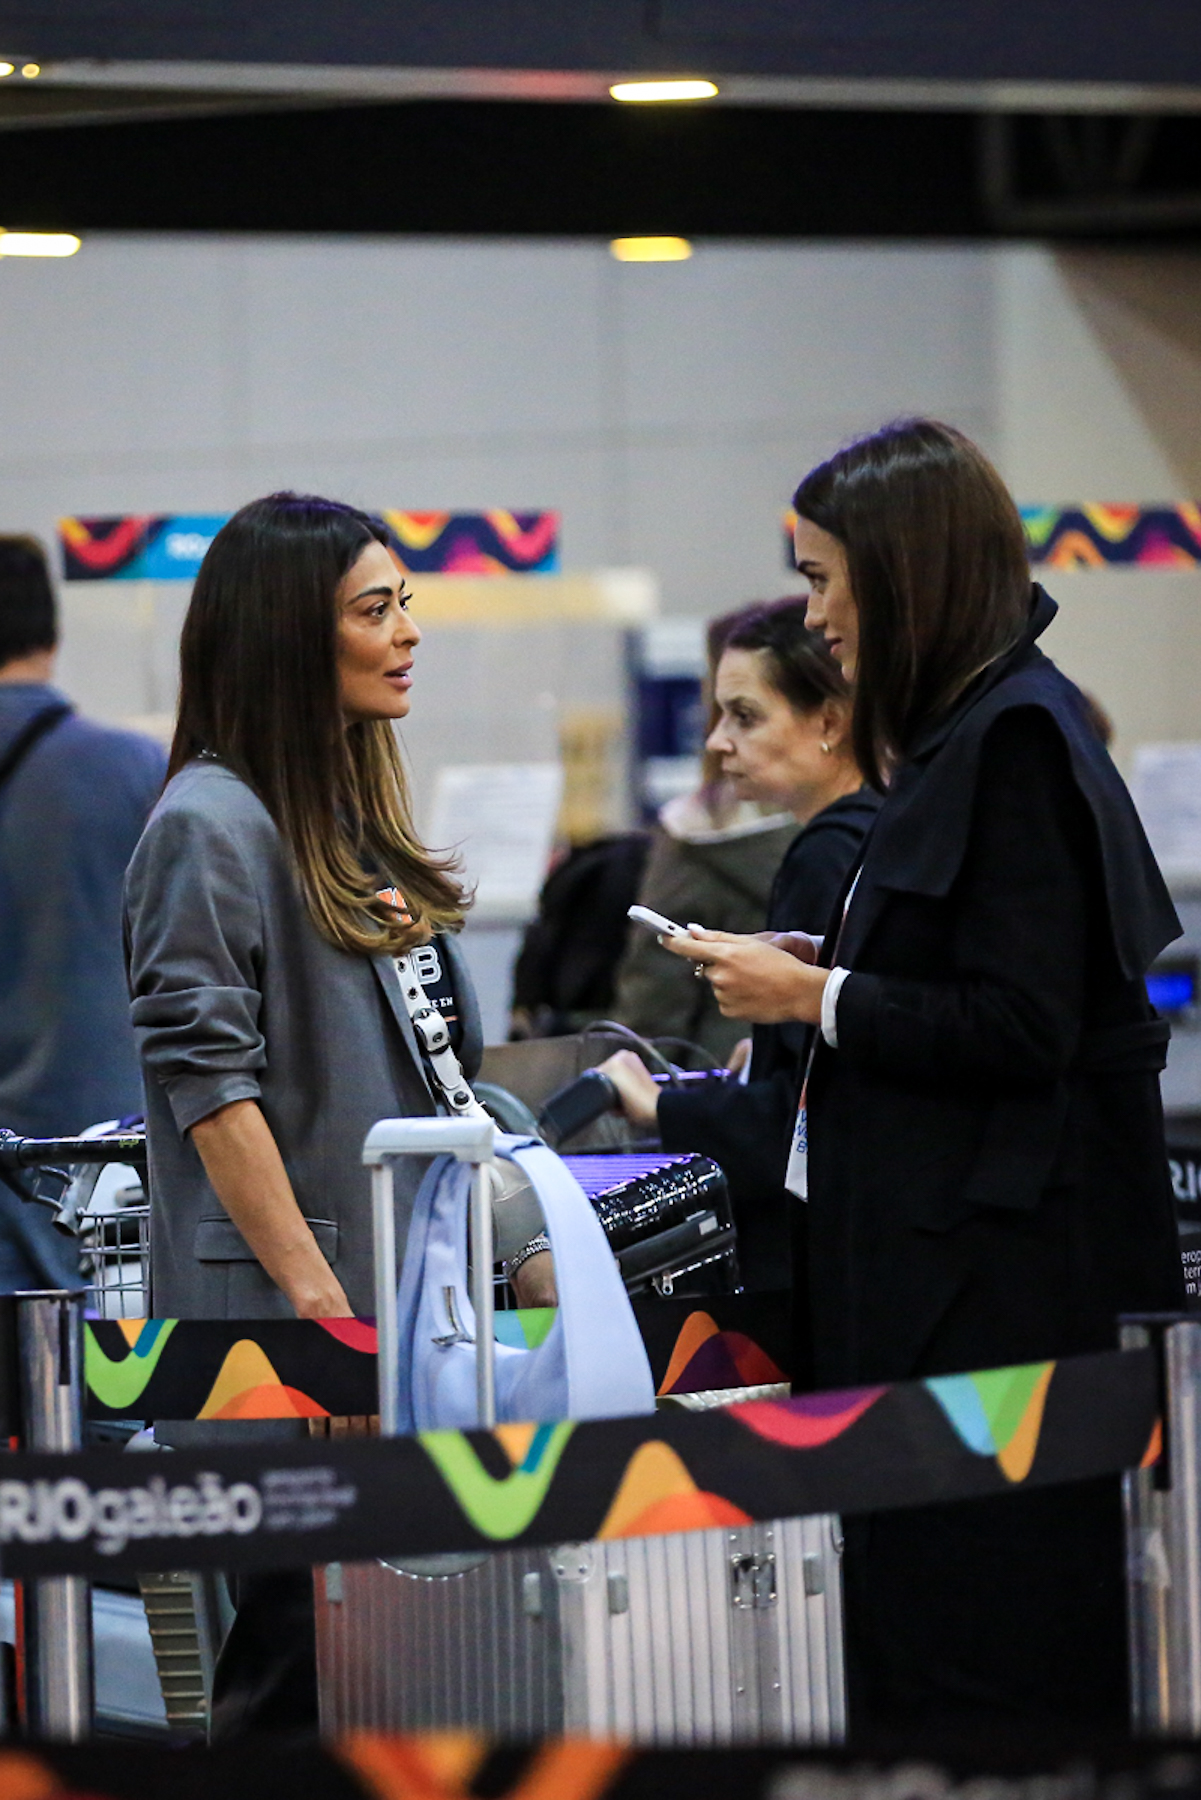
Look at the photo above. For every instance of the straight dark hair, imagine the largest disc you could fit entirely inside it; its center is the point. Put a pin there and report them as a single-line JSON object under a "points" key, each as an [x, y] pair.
{"points": [[798, 663], [938, 568], [259, 691], [28, 620]]}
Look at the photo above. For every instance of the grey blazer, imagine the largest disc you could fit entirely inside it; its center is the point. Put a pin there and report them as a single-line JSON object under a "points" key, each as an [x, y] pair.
{"points": [[236, 996]]}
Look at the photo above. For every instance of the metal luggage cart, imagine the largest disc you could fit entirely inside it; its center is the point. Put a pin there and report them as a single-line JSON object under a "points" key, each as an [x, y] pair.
{"points": [[114, 1249], [79, 1179], [94, 1187]]}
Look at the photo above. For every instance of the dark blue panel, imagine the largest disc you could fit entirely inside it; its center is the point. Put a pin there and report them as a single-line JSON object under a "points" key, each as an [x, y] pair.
{"points": [[670, 717], [979, 40]]}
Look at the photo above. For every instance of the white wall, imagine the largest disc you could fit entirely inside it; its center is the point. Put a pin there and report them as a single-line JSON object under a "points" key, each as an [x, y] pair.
{"points": [[667, 410], [1098, 383]]}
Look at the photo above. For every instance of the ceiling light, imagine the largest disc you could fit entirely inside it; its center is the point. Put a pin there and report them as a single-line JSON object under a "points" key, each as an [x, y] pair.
{"points": [[663, 90], [649, 249], [30, 70], [37, 243], [6, 68]]}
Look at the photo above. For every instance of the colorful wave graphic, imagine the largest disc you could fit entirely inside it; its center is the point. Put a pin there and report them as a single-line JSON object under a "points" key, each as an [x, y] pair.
{"points": [[525, 1327], [120, 1382], [998, 1412], [706, 1357], [806, 1420], [140, 547], [1095, 535], [247, 1385], [442, 1766], [171, 546], [487, 543], [657, 1494], [500, 1508], [435, 1765], [356, 1334], [94, 549]]}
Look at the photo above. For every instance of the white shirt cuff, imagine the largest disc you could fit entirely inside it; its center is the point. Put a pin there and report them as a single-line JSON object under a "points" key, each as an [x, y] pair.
{"points": [[830, 995]]}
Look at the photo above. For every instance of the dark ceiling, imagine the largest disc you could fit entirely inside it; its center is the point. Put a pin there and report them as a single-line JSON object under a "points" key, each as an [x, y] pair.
{"points": [[458, 167], [904, 118], [982, 40]]}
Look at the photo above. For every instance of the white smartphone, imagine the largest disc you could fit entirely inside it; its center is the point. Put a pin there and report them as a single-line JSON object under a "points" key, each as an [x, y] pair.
{"points": [[653, 921]]}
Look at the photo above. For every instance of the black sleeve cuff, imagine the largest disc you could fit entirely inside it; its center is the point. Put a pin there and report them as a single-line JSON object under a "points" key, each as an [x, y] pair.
{"points": [[858, 1006]]}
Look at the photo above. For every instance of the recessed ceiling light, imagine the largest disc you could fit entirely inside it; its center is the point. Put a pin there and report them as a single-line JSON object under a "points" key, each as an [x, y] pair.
{"points": [[663, 90], [6, 68], [648, 249], [30, 70], [37, 243]]}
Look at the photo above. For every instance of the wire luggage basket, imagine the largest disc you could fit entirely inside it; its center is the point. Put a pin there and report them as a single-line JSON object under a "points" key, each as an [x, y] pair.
{"points": [[94, 1184], [114, 1249]]}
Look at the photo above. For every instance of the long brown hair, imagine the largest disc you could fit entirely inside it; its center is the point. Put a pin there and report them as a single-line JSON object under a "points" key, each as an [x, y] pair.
{"points": [[259, 691], [938, 567]]}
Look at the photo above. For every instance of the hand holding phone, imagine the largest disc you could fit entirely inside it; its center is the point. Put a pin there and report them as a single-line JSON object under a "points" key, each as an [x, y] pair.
{"points": [[653, 921]]}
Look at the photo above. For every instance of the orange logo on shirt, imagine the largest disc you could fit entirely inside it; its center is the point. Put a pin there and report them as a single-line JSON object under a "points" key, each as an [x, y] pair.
{"points": [[393, 897]]}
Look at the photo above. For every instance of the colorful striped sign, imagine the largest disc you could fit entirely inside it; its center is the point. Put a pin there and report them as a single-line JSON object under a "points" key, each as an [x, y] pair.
{"points": [[1096, 534], [171, 547]]}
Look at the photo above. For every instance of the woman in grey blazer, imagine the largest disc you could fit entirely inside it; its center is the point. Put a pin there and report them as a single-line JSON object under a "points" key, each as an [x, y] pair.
{"points": [[277, 881]]}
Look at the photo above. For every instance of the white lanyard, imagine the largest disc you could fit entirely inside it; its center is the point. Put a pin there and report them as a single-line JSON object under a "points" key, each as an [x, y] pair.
{"points": [[434, 1035], [796, 1176]]}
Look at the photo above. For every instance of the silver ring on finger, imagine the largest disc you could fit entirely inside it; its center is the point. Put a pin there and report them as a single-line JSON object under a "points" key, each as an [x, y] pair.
{"points": [[699, 971]]}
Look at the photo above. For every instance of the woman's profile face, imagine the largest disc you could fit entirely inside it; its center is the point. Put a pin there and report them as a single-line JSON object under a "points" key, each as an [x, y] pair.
{"points": [[769, 750], [831, 609], [376, 639]]}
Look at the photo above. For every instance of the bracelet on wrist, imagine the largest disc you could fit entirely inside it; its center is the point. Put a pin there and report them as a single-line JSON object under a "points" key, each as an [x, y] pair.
{"points": [[535, 1247]]}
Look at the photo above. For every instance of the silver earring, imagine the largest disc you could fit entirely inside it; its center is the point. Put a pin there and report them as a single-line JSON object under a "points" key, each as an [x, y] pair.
{"points": [[825, 749]]}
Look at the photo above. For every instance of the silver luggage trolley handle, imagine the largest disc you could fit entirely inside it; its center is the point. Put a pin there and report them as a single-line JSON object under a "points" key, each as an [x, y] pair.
{"points": [[470, 1140]]}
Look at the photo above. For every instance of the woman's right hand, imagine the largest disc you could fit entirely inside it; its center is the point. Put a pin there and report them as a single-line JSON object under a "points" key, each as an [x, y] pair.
{"points": [[767, 983], [797, 943], [243, 1163], [638, 1093], [320, 1298]]}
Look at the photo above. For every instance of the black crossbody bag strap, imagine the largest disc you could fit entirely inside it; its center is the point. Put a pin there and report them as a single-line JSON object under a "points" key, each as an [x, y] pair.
{"points": [[24, 741]]}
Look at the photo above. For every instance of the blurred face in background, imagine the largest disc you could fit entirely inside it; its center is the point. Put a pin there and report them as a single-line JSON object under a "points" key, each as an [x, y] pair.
{"points": [[822, 560], [768, 750]]}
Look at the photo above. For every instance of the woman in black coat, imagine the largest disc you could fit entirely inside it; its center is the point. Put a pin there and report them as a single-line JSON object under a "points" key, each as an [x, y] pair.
{"points": [[780, 736], [980, 1146]]}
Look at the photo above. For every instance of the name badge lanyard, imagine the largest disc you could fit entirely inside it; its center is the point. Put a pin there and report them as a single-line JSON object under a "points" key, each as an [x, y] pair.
{"points": [[796, 1177]]}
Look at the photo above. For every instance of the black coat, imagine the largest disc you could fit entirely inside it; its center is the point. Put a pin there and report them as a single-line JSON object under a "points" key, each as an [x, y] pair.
{"points": [[747, 1130], [988, 1183], [986, 1165]]}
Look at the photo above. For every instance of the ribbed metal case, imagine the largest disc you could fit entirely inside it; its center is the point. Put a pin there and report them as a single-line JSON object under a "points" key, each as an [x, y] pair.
{"points": [[704, 1637]]}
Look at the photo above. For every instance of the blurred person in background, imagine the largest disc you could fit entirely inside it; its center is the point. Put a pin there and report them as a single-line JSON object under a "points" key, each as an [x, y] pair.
{"points": [[74, 797], [714, 856], [782, 740], [564, 976]]}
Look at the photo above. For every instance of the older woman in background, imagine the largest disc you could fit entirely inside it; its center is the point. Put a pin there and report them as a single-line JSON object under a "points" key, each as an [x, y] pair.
{"points": [[782, 739]]}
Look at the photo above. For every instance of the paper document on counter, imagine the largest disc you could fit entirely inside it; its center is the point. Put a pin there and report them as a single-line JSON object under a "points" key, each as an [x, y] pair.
{"points": [[500, 818], [1166, 785]]}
